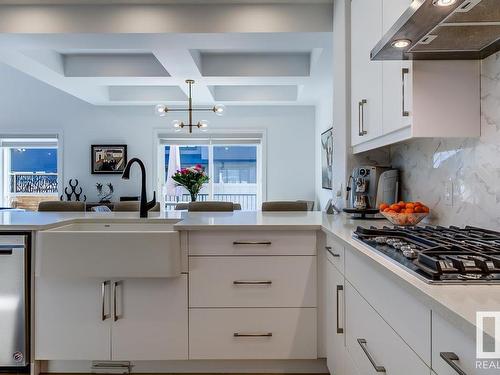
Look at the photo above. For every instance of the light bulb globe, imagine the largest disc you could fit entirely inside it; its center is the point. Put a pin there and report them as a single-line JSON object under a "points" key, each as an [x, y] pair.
{"points": [[160, 110], [219, 109]]}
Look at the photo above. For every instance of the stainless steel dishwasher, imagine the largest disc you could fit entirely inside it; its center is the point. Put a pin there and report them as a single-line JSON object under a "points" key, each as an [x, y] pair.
{"points": [[14, 302]]}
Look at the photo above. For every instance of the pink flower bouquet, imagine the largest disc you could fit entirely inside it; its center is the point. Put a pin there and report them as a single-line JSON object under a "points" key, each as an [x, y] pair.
{"points": [[192, 179]]}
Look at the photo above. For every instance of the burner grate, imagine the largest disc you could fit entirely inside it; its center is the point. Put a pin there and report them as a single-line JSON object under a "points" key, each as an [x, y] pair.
{"points": [[439, 253]]}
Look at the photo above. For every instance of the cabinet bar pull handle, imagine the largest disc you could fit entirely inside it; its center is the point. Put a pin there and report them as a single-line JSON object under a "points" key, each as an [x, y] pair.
{"points": [[362, 343], [238, 334], [339, 330], [361, 116], [252, 282], [329, 249], [404, 72], [104, 284], [252, 243], [359, 119], [449, 357], [115, 304]]}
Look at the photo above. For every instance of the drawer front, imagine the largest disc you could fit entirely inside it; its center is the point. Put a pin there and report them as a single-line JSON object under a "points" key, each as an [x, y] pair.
{"points": [[372, 343], [252, 333], [397, 305], [252, 243], [335, 253], [285, 281], [447, 338]]}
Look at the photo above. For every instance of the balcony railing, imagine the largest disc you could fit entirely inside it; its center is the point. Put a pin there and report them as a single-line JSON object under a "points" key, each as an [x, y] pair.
{"points": [[248, 201], [33, 183]]}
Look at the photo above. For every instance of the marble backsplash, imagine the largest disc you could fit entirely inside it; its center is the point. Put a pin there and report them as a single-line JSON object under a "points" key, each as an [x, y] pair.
{"points": [[472, 165]]}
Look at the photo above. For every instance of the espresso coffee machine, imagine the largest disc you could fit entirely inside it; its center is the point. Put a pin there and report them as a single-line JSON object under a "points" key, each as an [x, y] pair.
{"points": [[368, 187]]}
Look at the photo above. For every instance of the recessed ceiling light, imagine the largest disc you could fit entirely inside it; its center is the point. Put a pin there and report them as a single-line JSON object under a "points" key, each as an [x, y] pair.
{"points": [[443, 3], [401, 43]]}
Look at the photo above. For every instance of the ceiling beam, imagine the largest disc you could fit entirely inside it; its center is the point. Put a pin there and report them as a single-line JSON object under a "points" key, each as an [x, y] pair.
{"points": [[220, 18]]}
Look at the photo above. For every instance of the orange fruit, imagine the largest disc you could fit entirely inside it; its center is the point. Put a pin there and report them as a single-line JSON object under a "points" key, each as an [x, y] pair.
{"points": [[419, 209], [409, 211], [410, 205], [383, 206], [395, 207], [402, 204], [426, 209]]}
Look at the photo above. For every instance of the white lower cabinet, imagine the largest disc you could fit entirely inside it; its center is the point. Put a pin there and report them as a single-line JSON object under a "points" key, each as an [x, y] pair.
{"points": [[454, 351], [253, 295], [349, 365], [335, 341], [257, 333], [131, 319], [373, 344], [68, 319], [152, 320], [393, 301]]}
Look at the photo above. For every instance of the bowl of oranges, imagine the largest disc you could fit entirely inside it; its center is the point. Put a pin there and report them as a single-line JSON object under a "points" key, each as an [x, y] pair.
{"points": [[404, 213]]}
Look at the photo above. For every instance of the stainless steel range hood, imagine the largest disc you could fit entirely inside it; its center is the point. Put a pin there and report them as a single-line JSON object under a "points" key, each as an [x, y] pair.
{"points": [[465, 30]]}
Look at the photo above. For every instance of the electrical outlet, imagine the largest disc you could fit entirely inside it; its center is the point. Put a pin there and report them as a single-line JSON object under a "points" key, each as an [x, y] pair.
{"points": [[448, 193]]}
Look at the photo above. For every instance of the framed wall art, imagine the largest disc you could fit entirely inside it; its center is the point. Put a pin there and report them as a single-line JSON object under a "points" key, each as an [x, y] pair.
{"points": [[108, 159]]}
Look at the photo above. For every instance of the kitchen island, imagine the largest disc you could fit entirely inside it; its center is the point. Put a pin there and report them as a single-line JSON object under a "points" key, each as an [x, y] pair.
{"points": [[239, 272]]}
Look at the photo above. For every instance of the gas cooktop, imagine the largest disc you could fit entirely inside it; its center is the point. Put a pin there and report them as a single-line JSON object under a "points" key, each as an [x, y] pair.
{"points": [[439, 254]]}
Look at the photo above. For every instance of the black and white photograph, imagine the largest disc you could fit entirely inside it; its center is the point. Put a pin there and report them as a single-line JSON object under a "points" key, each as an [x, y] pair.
{"points": [[108, 159]]}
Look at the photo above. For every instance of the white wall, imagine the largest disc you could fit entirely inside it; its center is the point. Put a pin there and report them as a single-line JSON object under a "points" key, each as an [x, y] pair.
{"points": [[336, 113], [324, 118], [27, 105]]}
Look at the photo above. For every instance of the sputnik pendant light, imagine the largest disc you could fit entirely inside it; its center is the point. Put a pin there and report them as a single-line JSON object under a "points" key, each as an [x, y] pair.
{"points": [[162, 110]]}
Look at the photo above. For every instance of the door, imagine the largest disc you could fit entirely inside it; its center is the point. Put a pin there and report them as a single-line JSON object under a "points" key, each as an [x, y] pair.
{"points": [[72, 319], [397, 77], [335, 347], [150, 319], [373, 344], [366, 75], [453, 350]]}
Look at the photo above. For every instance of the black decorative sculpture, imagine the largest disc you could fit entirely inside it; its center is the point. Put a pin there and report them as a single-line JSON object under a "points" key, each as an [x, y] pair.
{"points": [[105, 195], [74, 192]]}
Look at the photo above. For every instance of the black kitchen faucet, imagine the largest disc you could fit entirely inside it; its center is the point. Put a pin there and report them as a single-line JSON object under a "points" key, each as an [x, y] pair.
{"points": [[145, 205]]}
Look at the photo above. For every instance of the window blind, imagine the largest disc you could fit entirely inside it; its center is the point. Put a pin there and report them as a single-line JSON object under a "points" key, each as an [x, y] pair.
{"points": [[29, 141], [215, 139]]}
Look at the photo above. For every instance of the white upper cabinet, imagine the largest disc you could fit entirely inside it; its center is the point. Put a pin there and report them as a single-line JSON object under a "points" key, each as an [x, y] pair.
{"points": [[405, 99], [396, 77], [366, 76]]}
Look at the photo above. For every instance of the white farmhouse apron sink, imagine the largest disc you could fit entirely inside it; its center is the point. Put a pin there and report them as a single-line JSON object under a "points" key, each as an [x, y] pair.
{"points": [[109, 250]]}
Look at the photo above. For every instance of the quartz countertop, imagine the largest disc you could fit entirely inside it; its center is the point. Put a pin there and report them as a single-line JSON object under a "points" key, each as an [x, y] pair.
{"points": [[458, 303]]}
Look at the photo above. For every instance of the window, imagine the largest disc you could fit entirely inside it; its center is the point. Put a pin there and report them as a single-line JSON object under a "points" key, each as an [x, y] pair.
{"points": [[233, 165], [29, 171]]}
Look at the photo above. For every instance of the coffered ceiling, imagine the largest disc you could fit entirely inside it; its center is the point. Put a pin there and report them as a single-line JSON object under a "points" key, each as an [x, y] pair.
{"points": [[146, 69]]}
